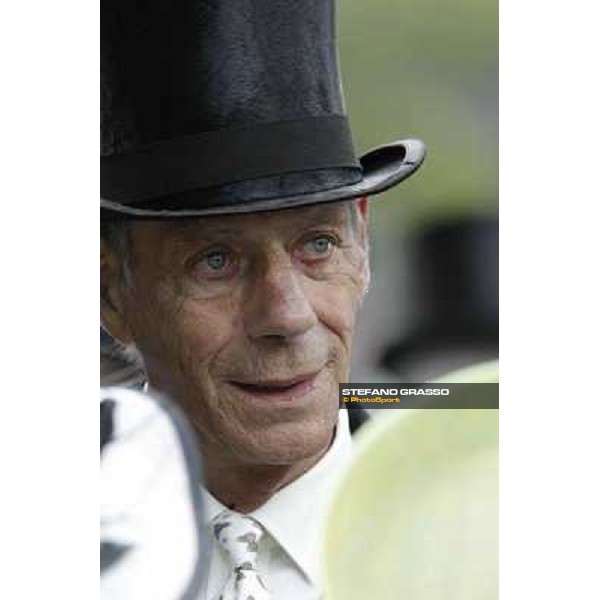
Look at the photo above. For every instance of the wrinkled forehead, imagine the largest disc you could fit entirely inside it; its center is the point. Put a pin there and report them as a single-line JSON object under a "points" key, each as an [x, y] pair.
{"points": [[254, 226]]}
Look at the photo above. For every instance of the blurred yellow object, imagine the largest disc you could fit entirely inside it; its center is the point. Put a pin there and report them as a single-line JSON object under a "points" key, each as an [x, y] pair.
{"points": [[416, 516], [486, 372]]}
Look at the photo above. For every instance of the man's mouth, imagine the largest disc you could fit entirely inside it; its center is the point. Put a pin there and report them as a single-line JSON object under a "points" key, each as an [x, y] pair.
{"points": [[278, 389]]}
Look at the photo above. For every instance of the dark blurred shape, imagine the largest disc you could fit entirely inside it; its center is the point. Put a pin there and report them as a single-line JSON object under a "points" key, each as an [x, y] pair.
{"points": [[456, 270], [106, 422], [357, 416], [116, 368]]}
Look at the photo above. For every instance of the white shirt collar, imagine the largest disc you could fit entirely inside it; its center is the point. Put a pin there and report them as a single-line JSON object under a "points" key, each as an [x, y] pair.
{"points": [[295, 515]]}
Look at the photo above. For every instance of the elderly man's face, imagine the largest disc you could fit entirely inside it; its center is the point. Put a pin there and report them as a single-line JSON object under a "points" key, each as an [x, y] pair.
{"points": [[247, 321]]}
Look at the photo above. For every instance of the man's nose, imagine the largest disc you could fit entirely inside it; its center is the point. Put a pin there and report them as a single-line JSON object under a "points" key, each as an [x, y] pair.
{"points": [[278, 304]]}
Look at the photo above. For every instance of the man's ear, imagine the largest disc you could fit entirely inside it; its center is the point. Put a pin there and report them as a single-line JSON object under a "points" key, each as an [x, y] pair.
{"points": [[362, 206], [112, 295]]}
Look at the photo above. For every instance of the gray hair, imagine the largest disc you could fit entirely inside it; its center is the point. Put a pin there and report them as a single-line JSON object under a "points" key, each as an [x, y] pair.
{"points": [[116, 235]]}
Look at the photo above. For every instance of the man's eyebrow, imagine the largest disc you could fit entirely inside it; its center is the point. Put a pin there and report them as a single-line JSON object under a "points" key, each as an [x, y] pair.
{"points": [[328, 212], [334, 213], [197, 227], [341, 215]]}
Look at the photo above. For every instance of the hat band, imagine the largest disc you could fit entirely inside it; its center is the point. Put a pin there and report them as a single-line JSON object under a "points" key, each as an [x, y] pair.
{"points": [[225, 156]]}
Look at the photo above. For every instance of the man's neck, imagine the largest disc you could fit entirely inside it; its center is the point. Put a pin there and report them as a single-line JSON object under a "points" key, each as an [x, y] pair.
{"points": [[246, 487]]}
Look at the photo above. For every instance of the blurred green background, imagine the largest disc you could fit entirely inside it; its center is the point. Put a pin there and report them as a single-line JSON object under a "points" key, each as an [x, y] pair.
{"points": [[426, 69]]}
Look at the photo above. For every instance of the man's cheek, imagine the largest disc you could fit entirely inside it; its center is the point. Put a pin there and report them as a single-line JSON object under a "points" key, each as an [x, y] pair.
{"points": [[202, 335], [351, 287], [337, 309], [156, 328]]}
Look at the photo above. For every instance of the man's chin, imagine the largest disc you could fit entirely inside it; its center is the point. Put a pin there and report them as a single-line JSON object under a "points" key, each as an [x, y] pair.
{"points": [[286, 443]]}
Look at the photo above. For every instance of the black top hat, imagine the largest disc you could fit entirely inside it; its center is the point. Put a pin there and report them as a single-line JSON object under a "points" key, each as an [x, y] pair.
{"points": [[227, 106]]}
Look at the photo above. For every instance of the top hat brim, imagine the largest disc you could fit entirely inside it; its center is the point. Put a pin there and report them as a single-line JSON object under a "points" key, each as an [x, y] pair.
{"points": [[382, 168]]}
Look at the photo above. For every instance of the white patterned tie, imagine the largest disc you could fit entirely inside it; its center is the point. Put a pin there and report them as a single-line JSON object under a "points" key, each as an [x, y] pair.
{"points": [[239, 536]]}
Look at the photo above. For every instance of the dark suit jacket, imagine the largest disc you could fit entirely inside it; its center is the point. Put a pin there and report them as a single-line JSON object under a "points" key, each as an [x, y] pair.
{"points": [[357, 416]]}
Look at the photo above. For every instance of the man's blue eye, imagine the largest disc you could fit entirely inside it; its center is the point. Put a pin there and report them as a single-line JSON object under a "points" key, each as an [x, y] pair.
{"points": [[321, 244], [215, 264], [215, 261]]}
